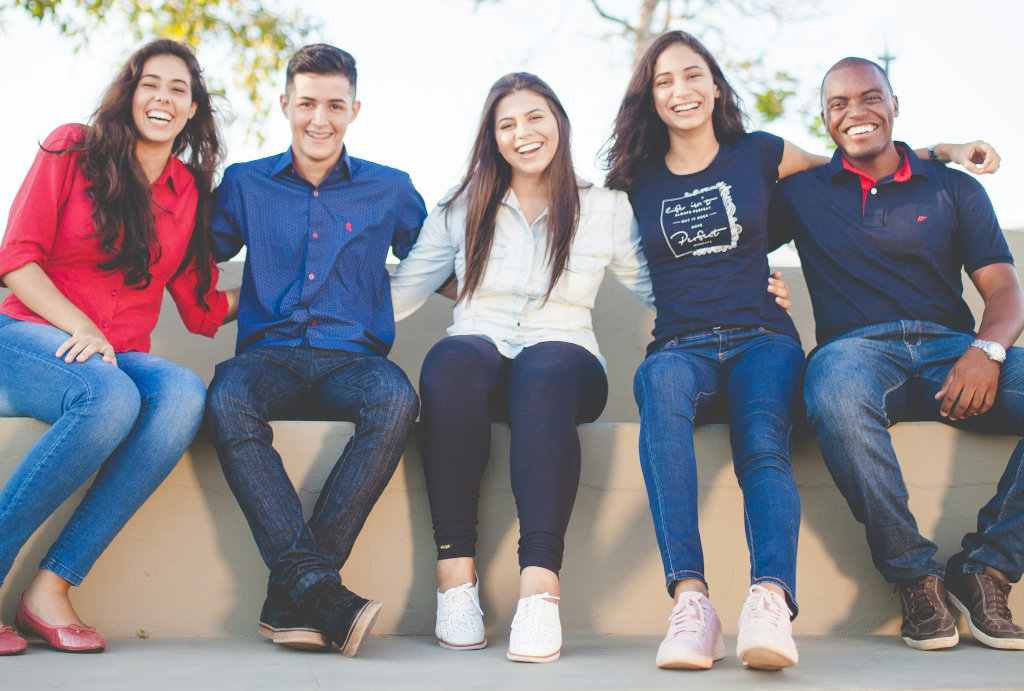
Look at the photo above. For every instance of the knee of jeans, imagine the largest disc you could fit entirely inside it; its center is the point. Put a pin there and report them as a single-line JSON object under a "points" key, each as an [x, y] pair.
{"points": [[395, 395], [224, 407], [764, 466], [111, 398], [835, 394], [179, 390]]}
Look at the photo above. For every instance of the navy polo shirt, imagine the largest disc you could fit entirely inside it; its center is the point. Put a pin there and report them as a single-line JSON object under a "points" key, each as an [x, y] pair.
{"points": [[888, 251], [315, 273], [705, 235]]}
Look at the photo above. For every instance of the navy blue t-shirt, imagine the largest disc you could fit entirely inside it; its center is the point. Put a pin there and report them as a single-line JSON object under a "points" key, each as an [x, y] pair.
{"points": [[888, 252], [705, 238]]}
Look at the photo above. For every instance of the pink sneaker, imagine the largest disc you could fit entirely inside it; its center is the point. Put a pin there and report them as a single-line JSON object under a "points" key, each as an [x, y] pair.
{"points": [[694, 638], [765, 640]]}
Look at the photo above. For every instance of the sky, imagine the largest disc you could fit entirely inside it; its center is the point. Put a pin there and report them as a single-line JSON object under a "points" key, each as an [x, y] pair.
{"points": [[425, 67]]}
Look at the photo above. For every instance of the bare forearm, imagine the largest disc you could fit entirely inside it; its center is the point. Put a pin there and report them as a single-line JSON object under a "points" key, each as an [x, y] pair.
{"points": [[1003, 319], [33, 287]]}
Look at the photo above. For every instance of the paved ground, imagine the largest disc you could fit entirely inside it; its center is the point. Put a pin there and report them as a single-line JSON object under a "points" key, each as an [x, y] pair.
{"points": [[413, 662]]}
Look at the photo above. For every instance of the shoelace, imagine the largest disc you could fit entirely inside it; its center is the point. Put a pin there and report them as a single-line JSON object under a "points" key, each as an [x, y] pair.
{"points": [[688, 619], [7, 629], [920, 601], [531, 601], [995, 593], [762, 606], [461, 592]]}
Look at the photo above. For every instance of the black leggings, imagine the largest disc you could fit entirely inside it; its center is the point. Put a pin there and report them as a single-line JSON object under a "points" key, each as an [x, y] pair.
{"points": [[543, 393]]}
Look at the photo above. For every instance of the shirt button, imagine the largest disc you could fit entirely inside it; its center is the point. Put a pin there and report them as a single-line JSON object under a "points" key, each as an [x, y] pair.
{"points": [[114, 293], [315, 235], [316, 193], [874, 190], [311, 276], [313, 323], [105, 324]]}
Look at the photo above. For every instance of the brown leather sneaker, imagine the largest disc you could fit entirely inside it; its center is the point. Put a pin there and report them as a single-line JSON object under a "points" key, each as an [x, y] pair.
{"points": [[981, 597], [927, 621]]}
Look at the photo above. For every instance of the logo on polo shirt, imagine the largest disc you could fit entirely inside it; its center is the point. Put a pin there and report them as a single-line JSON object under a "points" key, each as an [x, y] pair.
{"points": [[700, 222]]}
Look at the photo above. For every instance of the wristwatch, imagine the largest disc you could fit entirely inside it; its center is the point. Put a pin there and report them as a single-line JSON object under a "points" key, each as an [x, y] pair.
{"points": [[995, 352]]}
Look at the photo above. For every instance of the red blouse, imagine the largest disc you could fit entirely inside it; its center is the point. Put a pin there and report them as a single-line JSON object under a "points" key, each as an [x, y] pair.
{"points": [[51, 224]]}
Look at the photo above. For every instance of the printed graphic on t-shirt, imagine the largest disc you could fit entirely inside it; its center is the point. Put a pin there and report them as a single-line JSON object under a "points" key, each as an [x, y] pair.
{"points": [[701, 222]]}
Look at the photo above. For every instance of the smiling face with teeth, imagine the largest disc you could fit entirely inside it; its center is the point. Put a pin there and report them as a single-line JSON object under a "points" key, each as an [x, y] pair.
{"points": [[684, 91], [526, 132], [858, 108], [319, 108], [162, 102]]}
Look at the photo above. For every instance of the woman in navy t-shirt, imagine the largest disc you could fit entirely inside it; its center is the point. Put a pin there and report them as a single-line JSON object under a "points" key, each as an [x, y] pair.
{"points": [[700, 186]]}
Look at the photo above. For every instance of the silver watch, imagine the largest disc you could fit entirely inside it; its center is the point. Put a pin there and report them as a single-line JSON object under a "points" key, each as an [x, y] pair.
{"points": [[995, 352]]}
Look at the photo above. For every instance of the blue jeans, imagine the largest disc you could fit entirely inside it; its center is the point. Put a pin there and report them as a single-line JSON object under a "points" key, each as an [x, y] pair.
{"points": [[131, 421], [860, 384], [271, 382], [758, 375]]}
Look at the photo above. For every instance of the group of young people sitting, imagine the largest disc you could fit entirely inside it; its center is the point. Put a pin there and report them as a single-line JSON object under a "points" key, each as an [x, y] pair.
{"points": [[113, 212]]}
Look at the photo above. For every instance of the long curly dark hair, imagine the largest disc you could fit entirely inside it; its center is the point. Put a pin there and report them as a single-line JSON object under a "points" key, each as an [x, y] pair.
{"points": [[121, 195], [488, 177], [640, 136]]}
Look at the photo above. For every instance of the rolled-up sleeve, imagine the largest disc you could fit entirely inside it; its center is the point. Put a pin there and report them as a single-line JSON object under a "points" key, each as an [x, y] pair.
{"points": [[35, 214], [197, 319]]}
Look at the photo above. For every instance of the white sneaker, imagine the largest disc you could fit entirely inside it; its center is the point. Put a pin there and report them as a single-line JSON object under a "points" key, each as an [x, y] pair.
{"points": [[765, 640], [460, 621], [536, 630], [694, 638]]}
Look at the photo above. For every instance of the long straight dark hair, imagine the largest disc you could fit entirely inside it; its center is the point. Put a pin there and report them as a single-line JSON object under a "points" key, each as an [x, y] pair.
{"points": [[121, 195], [640, 136], [489, 175]]}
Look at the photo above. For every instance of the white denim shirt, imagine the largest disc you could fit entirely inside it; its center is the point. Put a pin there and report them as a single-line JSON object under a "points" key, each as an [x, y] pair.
{"points": [[508, 307]]}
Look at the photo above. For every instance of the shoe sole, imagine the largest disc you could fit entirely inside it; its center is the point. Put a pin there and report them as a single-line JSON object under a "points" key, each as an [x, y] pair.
{"points": [[760, 657], [298, 638], [361, 626], [516, 657], [933, 643], [999, 643], [468, 646]]}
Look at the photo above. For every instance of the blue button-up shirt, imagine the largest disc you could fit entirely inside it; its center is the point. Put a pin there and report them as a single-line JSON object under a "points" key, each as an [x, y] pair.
{"points": [[315, 273]]}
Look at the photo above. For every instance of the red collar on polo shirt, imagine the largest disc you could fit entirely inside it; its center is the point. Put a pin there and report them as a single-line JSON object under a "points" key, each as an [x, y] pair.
{"points": [[867, 182]]}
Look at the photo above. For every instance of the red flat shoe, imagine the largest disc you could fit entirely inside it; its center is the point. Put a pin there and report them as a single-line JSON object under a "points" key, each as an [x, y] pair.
{"points": [[68, 639], [10, 642]]}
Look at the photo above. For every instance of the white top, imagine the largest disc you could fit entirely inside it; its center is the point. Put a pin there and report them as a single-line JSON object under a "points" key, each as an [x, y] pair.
{"points": [[508, 306]]}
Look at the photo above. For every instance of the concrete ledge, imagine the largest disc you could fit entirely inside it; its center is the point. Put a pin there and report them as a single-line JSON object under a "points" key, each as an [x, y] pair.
{"points": [[186, 564]]}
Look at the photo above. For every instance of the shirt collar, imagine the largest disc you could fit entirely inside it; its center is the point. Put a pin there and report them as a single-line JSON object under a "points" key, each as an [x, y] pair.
{"points": [[285, 163], [175, 175], [912, 165]]}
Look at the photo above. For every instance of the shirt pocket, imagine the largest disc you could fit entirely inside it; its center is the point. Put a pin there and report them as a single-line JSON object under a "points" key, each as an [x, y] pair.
{"points": [[499, 275], [579, 282]]}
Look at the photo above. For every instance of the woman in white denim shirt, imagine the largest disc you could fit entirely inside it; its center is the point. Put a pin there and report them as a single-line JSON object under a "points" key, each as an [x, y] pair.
{"points": [[521, 348]]}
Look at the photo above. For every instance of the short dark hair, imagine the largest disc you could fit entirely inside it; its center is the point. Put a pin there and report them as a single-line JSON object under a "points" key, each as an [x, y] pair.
{"points": [[320, 58], [852, 62]]}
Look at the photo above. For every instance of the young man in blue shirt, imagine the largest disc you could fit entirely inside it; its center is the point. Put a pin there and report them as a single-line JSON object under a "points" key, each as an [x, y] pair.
{"points": [[314, 330], [896, 342]]}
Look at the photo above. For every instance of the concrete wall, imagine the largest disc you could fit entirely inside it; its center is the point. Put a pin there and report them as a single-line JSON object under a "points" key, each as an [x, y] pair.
{"points": [[186, 564]]}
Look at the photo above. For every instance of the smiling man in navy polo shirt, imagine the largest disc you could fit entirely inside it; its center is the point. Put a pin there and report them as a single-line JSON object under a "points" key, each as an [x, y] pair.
{"points": [[314, 328], [882, 237]]}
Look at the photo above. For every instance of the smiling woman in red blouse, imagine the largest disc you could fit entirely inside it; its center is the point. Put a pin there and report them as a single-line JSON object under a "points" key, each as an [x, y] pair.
{"points": [[108, 215]]}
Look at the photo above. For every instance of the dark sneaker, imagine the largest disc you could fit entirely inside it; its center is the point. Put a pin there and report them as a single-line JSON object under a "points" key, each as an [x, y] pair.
{"points": [[283, 623], [981, 598], [927, 622], [344, 617]]}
